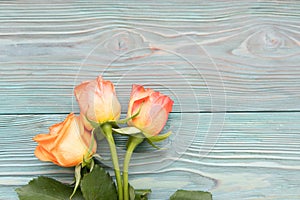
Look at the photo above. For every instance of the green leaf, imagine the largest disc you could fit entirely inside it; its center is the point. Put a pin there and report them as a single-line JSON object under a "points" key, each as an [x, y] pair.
{"points": [[47, 189], [191, 195], [98, 185], [138, 194], [131, 130], [142, 194]]}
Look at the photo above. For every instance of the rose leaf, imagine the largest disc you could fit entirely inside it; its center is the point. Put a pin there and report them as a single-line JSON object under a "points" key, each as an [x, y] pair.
{"points": [[47, 189], [98, 185], [191, 195]]}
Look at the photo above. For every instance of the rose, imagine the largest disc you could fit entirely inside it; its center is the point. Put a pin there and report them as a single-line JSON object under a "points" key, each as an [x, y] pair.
{"points": [[153, 108], [67, 144], [148, 111], [99, 105], [98, 101]]}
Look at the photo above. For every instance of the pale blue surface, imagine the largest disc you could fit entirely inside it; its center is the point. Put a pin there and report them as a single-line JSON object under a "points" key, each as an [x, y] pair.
{"points": [[232, 68]]}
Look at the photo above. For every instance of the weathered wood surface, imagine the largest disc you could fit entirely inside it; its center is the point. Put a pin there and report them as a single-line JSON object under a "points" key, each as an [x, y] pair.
{"points": [[254, 157], [219, 55], [215, 57]]}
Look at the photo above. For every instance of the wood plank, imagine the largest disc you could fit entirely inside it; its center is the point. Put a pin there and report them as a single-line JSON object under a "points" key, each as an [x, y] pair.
{"points": [[252, 156], [209, 56]]}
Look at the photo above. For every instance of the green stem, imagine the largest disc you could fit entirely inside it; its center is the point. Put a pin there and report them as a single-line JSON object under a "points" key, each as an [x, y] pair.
{"points": [[107, 130], [132, 143]]}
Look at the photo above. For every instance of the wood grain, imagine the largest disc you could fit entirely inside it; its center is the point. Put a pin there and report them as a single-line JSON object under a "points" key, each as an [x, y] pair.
{"points": [[212, 58], [220, 56], [253, 157]]}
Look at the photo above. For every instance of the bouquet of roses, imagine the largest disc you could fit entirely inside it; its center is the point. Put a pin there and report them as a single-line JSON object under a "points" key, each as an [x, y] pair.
{"points": [[73, 143]]}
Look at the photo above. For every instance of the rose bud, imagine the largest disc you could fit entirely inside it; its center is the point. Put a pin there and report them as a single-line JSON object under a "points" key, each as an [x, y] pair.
{"points": [[98, 101], [153, 108]]}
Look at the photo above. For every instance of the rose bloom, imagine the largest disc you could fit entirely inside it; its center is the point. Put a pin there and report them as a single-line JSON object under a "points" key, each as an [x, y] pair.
{"points": [[98, 101], [66, 144], [155, 108]]}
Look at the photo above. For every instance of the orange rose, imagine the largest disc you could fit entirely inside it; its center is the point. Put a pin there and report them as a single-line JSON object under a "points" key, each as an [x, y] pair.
{"points": [[98, 101], [66, 144], [155, 108]]}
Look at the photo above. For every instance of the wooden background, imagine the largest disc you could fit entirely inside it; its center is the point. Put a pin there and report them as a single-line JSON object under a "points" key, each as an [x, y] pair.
{"points": [[232, 68]]}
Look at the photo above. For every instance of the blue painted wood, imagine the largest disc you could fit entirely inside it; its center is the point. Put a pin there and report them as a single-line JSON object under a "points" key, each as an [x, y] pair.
{"points": [[215, 57], [255, 156], [221, 56]]}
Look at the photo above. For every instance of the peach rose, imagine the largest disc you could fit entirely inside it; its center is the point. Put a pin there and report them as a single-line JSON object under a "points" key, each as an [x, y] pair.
{"points": [[155, 108], [66, 144], [98, 101]]}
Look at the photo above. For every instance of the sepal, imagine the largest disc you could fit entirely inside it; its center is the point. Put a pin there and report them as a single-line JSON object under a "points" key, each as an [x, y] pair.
{"points": [[98, 157], [88, 165], [113, 124], [77, 179], [93, 123], [124, 121], [131, 130], [152, 144], [159, 138]]}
